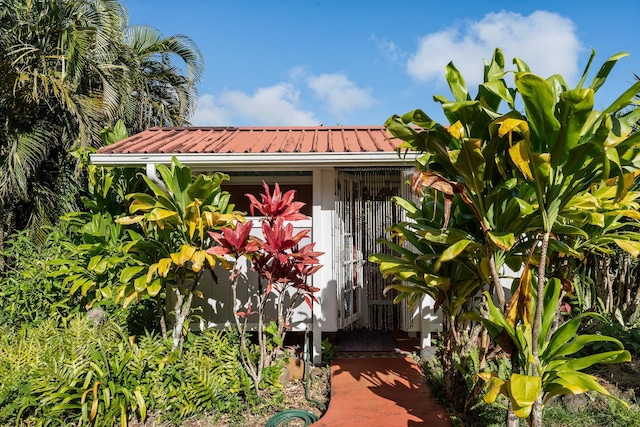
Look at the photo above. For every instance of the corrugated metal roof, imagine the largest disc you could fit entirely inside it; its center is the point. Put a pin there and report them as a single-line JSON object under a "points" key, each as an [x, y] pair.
{"points": [[236, 140]]}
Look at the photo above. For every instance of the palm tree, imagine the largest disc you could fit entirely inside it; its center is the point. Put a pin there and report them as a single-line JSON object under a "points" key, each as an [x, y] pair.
{"points": [[68, 68], [160, 94], [54, 95]]}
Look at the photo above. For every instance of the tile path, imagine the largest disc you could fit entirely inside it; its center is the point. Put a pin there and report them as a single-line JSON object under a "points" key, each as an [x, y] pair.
{"points": [[380, 392]]}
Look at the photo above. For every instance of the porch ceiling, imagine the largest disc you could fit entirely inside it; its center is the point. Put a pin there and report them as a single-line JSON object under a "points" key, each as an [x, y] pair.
{"points": [[265, 148]]}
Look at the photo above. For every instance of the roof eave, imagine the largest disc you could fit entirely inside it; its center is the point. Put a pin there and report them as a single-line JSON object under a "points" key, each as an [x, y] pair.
{"points": [[256, 161]]}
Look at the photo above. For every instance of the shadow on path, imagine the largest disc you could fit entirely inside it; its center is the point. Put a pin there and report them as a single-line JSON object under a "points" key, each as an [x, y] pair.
{"points": [[388, 392]]}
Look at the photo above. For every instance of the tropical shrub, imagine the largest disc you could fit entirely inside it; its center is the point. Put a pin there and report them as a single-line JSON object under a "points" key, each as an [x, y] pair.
{"points": [[28, 294], [283, 268], [559, 370], [90, 269], [160, 249], [544, 188], [91, 373]]}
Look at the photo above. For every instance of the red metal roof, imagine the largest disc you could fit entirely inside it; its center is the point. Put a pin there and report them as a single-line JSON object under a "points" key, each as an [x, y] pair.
{"points": [[235, 140]]}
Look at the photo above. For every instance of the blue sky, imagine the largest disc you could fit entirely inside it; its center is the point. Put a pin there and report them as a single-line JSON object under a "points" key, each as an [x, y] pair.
{"points": [[341, 62]]}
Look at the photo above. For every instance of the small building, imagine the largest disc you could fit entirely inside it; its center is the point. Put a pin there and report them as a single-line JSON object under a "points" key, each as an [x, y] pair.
{"points": [[347, 177]]}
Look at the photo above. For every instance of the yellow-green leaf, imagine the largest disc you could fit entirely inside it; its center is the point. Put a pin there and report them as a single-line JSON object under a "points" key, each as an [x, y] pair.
{"points": [[159, 214], [154, 287], [519, 153], [630, 246], [197, 260], [129, 298], [140, 284], [454, 250], [502, 240], [138, 205], [456, 130], [524, 390], [152, 270], [211, 259], [595, 218], [495, 386], [186, 252], [128, 220], [129, 273], [164, 265]]}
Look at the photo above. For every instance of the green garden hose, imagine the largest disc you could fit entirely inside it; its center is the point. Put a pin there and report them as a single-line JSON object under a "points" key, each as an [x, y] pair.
{"points": [[291, 414], [299, 414]]}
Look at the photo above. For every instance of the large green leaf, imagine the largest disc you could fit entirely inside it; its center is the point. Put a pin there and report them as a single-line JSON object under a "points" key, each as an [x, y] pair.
{"points": [[565, 333], [407, 205], [604, 71], [470, 163], [456, 83], [550, 304], [580, 363], [623, 100], [454, 250], [539, 105], [463, 111], [399, 129], [575, 107], [418, 118], [579, 382]]}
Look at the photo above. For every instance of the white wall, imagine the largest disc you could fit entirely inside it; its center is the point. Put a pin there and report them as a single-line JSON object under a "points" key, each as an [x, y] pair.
{"points": [[216, 306]]}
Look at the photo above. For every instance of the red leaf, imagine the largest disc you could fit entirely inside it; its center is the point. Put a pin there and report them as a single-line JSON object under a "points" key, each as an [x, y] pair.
{"points": [[235, 240], [245, 313], [276, 205]]}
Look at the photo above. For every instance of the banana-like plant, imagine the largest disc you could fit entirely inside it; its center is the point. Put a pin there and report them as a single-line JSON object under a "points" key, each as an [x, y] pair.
{"points": [[533, 182], [174, 224], [557, 371], [419, 257]]}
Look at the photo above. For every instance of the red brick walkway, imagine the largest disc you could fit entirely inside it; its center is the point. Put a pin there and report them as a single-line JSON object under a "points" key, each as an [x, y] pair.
{"points": [[385, 392]]}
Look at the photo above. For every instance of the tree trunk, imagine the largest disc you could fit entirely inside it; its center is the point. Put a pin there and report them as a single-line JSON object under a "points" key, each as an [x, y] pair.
{"points": [[512, 420], [536, 411], [161, 313], [179, 320]]}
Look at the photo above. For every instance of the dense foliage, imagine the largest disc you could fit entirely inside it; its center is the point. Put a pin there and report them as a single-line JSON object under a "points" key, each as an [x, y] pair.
{"points": [[89, 372], [526, 196], [68, 68], [71, 353]]}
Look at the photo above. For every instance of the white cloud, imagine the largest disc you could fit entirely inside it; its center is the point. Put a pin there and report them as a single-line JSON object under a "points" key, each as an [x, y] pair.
{"points": [[209, 113], [546, 41], [339, 93], [270, 106], [389, 50]]}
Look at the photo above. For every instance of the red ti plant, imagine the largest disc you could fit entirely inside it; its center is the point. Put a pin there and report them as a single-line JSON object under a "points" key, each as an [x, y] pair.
{"points": [[283, 267]]}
